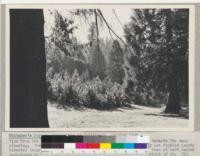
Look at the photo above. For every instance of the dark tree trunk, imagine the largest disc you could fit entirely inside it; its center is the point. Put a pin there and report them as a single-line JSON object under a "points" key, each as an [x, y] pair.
{"points": [[173, 104], [28, 105]]}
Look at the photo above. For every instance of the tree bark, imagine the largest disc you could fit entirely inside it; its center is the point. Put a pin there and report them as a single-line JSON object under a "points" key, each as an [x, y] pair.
{"points": [[173, 104], [28, 96]]}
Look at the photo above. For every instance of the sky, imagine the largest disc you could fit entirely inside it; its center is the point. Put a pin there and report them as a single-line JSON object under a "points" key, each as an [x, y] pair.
{"points": [[82, 32]]}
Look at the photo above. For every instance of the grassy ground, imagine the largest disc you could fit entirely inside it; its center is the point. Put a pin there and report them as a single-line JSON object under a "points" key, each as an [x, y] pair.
{"points": [[137, 116]]}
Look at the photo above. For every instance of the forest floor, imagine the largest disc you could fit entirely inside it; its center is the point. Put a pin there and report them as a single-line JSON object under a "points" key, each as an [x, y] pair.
{"points": [[137, 116]]}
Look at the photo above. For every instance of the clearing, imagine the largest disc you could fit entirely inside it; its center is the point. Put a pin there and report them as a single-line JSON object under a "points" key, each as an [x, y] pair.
{"points": [[138, 116]]}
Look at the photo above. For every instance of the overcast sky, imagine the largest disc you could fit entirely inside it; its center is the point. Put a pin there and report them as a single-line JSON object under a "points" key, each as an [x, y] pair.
{"points": [[81, 33]]}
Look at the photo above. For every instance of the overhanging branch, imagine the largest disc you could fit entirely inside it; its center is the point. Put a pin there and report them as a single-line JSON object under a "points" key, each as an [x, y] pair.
{"points": [[99, 11]]}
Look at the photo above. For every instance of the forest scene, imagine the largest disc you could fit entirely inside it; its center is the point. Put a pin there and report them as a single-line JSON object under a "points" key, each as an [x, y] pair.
{"points": [[147, 66], [99, 67]]}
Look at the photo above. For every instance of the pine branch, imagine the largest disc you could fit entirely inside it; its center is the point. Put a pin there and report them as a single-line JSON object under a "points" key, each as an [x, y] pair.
{"points": [[99, 11]]}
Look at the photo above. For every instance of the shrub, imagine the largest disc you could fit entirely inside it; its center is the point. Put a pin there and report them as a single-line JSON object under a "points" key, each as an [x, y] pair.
{"points": [[92, 100], [71, 97], [72, 91]]}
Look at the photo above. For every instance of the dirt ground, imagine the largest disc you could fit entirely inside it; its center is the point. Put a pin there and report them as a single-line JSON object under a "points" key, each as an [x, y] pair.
{"points": [[138, 116]]}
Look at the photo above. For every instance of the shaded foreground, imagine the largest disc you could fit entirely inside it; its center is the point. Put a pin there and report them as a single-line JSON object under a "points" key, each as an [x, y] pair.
{"points": [[138, 116]]}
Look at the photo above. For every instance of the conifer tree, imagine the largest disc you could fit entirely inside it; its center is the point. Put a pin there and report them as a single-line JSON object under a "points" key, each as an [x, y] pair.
{"points": [[116, 61], [159, 38]]}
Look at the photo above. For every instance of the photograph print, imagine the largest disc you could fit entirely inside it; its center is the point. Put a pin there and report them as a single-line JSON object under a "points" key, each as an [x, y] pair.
{"points": [[107, 67]]}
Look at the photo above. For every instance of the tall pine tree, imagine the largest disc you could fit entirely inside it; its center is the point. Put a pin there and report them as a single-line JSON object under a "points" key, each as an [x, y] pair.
{"points": [[116, 61], [97, 60]]}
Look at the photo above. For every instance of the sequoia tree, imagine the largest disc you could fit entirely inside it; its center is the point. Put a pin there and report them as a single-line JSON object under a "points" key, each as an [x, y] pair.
{"points": [[28, 96], [159, 38]]}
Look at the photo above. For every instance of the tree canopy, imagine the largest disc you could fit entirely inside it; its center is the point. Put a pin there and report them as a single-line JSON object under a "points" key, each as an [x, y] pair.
{"points": [[159, 38]]}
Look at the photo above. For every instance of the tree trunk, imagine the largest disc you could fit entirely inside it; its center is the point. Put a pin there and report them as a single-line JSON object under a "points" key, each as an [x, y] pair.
{"points": [[28, 96], [173, 104]]}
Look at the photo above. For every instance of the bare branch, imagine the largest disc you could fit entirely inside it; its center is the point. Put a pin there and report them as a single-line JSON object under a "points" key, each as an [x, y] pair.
{"points": [[117, 17], [111, 35], [97, 28], [99, 11]]}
